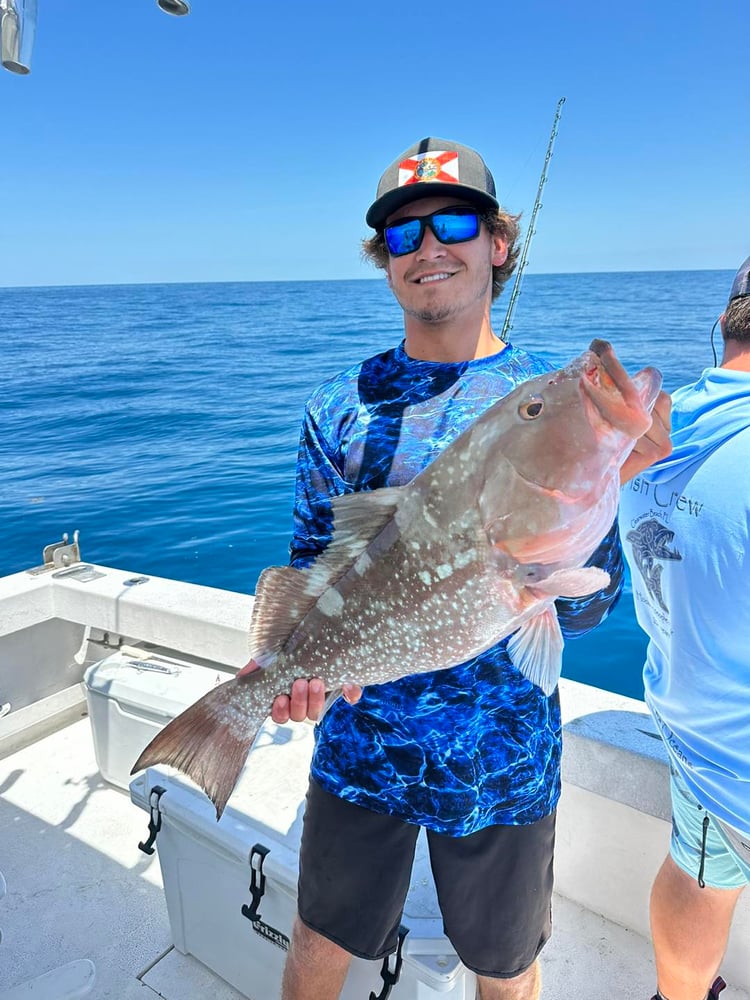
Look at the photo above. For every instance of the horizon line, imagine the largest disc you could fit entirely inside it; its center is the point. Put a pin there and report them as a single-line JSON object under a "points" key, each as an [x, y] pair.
{"points": [[297, 281]]}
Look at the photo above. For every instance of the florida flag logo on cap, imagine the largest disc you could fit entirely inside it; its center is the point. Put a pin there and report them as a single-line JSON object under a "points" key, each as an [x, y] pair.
{"points": [[432, 166]]}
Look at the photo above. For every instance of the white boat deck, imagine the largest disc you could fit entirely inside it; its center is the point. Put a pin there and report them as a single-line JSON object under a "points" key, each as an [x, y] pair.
{"points": [[79, 887]]}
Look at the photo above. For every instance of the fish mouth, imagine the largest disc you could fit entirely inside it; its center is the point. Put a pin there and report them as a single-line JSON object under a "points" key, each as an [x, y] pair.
{"points": [[623, 402]]}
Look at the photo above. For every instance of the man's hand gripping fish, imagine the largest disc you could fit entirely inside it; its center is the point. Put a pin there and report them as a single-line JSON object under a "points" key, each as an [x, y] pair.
{"points": [[425, 576]]}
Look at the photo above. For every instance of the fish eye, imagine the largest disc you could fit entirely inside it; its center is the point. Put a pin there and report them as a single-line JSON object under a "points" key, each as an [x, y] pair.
{"points": [[530, 409]]}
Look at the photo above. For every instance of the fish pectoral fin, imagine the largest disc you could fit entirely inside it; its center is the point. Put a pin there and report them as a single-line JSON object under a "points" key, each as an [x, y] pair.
{"points": [[572, 582], [208, 741], [536, 650]]}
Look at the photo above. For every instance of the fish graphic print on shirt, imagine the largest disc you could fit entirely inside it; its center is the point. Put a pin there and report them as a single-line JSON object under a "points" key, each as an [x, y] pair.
{"points": [[651, 542], [463, 748]]}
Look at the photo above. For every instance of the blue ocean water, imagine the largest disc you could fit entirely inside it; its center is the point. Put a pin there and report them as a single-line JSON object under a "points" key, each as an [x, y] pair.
{"points": [[162, 420]]}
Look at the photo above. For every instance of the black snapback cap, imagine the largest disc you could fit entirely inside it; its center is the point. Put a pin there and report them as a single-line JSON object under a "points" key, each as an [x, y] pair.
{"points": [[433, 167], [741, 283]]}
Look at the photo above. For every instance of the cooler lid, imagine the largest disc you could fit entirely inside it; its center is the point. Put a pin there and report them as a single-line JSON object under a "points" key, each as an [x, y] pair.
{"points": [[157, 684]]}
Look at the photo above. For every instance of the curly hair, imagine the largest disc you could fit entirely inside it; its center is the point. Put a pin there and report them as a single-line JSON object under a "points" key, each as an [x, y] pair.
{"points": [[498, 223], [737, 320]]}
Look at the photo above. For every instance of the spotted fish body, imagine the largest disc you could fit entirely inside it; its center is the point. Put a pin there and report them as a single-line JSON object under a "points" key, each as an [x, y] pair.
{"points": [[425, 576]]}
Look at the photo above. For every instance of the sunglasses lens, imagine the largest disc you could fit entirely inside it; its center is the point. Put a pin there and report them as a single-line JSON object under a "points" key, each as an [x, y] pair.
{"points": [[403, 237], [449, 227], [455, 227]]}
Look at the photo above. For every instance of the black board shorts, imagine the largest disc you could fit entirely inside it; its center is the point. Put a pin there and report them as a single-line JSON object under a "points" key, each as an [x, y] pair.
{"points": [[494, 886]]}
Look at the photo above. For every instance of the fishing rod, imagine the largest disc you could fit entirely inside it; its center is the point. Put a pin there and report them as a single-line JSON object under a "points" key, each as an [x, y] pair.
{"points": [[530, 231]]}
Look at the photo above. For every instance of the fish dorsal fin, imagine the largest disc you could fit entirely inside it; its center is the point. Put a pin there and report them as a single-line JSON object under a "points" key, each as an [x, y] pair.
{"points": [[285, 595], [363, 515], [281, 602], [358, 518]]}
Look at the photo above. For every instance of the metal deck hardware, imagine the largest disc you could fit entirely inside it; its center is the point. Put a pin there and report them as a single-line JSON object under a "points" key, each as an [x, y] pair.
{"points": [[59, 555]]}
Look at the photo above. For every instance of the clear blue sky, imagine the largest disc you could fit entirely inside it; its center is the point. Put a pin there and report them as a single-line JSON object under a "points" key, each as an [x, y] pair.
{"points": [[244, 142]]}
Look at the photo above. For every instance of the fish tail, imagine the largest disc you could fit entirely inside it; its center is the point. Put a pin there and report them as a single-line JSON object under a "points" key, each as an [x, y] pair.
{"points": [[209, 741]]}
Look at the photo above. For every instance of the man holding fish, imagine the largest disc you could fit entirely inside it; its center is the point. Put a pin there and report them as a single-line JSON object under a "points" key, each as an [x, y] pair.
{"points": [[471, 753], [454, 521]]}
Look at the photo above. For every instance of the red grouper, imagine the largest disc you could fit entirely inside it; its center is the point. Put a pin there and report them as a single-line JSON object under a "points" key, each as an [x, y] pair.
{"points": [[425, 576]]}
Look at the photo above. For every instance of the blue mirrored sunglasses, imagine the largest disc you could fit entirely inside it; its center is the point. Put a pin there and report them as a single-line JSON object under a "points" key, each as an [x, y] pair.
{"points": [[450, 225]]}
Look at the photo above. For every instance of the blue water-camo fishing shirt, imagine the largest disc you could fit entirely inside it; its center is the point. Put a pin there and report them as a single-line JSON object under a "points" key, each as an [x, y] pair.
{"points": [[453, 750]]}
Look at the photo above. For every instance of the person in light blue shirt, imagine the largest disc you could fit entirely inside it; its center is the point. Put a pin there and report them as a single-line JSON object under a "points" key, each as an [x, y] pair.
{"points": [[470, 753], [685, 525]]}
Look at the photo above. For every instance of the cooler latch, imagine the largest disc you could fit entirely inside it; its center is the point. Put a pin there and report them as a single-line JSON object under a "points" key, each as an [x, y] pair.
{"points": [[154, 823], [390, 976], [257, 881], [257, 888]]}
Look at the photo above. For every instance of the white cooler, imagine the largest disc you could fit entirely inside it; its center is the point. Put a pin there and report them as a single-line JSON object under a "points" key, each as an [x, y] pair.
{"points": [[131, 696], [231, 886]]}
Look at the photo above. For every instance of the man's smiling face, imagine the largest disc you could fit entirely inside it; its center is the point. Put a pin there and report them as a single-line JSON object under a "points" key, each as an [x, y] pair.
{"points": [[438, 282]]}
